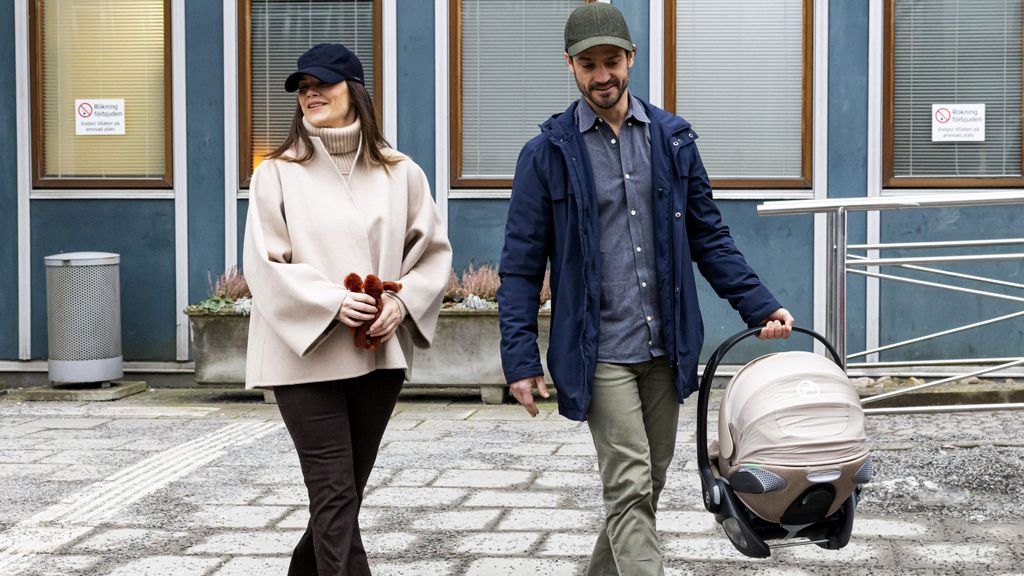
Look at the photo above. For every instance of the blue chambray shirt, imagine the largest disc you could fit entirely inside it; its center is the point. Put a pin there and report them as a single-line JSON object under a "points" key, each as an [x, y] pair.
{"points": [[630, 329]]}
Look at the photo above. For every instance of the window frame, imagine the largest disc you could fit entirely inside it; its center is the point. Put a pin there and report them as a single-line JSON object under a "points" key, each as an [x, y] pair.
{"points": [[889, 179], [39, 179], [805, 181], [455, 108], [245, 168]]}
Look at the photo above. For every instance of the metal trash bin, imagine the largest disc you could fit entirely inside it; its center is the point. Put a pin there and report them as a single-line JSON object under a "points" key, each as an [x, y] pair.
{"points": [[83, 306]]}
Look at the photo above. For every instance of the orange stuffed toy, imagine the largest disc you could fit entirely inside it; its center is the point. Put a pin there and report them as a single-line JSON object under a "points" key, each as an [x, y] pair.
{"points": [[373, 287]]}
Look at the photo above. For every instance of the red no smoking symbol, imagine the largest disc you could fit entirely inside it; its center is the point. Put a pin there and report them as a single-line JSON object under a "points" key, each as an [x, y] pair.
{"points": [[942, 115], [85, 110]]}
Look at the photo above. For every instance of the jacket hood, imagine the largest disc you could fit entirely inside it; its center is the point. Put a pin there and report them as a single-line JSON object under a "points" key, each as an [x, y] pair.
{"points": [[561, 127]]}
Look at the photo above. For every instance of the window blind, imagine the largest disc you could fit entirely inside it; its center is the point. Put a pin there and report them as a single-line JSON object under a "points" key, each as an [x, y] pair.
{"points": [[739, 81], [103, 49], [956, 52], [281, 31], [514, 77]]}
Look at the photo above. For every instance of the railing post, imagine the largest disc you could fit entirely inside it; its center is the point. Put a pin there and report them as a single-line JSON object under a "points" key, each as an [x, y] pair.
{"points": [[835, 284]]}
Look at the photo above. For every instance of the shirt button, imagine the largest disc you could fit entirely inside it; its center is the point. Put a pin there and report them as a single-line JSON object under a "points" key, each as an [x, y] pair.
{"points": [[650, 342], [679, 214], [627, 175], [637, 248], [649, 318], [629, 123], [613, 140], [632, 212], [643, 284]]}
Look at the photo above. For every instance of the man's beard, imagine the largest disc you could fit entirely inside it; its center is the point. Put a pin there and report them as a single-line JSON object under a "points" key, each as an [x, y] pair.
{"points": [[606, 102]]}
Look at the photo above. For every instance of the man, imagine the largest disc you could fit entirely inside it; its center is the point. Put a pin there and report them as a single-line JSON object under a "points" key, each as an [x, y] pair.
{"points": [[614, 195]]}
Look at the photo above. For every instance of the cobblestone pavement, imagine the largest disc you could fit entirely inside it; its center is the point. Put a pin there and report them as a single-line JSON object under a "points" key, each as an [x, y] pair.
{"points": [[205, 483]]}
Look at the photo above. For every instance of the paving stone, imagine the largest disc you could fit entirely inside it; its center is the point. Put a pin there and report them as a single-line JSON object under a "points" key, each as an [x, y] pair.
{"points": [[531, 449], [414, 477], [457, 520], [23, 456], [388, 543], [251, 542], [483, 479], [378, 477], [463, 426], [563, 544], [526, 519], [523, 499], [497, 543], [252, 566], [68, 423], [231, 494], [239, 516], [407, 424], [675, 521], [299, 519], [82, 472], [167, 566], [568, 480], [878, 528], [577, 450], [135, 539], [21, 470], [425, 448], [425, 568], [415, 435], [39, 539], [441, 414], [294, 495], [521, 567], [557, 464], [949, 555], [64, 565], [414, 497], [114, 457], [701, 549]]}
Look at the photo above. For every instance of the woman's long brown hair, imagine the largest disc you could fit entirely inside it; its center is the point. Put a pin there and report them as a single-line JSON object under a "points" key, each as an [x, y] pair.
{"points": [[372, 136]]}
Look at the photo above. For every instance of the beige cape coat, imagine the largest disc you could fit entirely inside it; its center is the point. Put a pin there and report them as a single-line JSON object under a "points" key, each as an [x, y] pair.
{"points": [[306, 230]]}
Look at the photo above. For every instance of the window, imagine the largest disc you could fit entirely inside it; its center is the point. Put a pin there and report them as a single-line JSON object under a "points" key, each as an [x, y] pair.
{"points": [[101, 93], [740, 72], [508, 75], [274, 33], [945, 59]]}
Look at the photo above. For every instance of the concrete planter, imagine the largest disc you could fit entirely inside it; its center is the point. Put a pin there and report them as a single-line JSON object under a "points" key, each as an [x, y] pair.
{"points": [[465, 352], [218, 347]]}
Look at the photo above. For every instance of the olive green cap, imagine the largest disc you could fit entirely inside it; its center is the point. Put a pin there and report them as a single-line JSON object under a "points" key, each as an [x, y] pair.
{"points": [[596, 24]]}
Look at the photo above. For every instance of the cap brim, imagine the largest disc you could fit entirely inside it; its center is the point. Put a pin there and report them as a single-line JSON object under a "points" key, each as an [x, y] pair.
{"points": [[322, 74], [582, 45]]}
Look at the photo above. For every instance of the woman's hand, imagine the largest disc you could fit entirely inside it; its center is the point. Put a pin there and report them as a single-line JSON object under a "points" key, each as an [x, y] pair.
{"points": [[390, 318], [778, 325], [356, 309]]}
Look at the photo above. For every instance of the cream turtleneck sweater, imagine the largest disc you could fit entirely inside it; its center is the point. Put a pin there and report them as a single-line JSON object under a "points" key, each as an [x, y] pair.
{"points": [[341, 143]]}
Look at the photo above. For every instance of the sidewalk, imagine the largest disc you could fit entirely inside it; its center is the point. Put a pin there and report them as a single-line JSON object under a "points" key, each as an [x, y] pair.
{"points": [[205, 483]]}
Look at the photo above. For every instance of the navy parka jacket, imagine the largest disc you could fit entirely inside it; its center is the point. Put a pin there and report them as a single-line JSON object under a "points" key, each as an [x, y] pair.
{"points": [[553, 218]]}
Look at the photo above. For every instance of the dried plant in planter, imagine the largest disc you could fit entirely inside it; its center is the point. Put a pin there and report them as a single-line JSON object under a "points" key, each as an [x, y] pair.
{"points": [[229, 294], [481, 281]]}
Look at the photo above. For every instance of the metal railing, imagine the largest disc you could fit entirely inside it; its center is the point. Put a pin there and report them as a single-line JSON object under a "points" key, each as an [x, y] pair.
{"points": [[840, 263]]}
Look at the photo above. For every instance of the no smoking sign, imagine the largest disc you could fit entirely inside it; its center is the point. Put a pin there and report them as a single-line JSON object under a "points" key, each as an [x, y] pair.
{"points": [[958, 122]]}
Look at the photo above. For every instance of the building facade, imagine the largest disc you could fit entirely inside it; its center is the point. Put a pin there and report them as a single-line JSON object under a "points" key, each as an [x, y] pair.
{"points": [[132, 126]]}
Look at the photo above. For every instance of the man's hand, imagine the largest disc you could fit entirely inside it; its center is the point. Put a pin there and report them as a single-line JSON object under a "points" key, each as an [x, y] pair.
{"points": [[778, 325], [523, 391]]}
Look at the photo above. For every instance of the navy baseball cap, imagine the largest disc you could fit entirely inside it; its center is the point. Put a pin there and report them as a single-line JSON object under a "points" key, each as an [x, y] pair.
{"points": [[329, 63]]}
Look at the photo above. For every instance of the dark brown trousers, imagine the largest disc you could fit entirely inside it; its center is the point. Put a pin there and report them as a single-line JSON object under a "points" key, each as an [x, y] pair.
{"points": [[337, 428]]}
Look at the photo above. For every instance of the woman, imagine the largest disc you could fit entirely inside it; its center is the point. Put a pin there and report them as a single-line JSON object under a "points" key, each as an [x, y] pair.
{"points": [[334, 199]]}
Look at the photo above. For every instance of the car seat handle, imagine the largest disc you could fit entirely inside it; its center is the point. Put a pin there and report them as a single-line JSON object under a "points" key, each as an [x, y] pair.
{"points": [[707, 477]]}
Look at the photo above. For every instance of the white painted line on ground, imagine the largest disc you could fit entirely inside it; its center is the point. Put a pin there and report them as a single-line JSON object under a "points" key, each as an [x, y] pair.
{"points": [[22, 544]]}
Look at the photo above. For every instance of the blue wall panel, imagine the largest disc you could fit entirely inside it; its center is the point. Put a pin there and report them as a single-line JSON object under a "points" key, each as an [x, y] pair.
{"points": [[8, 189], [416, 83], [780, 249], [638, 18], [477, 231], [142, 232], [908, 311], [205, 100], [847, 136]]}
